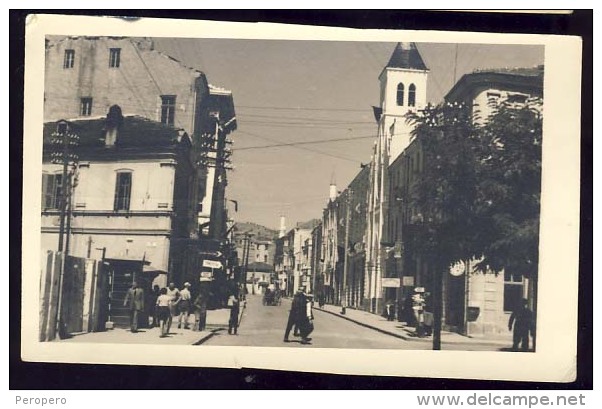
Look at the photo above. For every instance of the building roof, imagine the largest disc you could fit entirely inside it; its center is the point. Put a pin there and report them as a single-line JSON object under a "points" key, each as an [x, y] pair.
{"points": [[134, 131], [406, 55], [521, 79], [222, 100]]}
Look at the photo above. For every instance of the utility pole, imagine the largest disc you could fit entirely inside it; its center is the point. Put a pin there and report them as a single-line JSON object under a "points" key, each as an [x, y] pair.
{"points": [[71, 185], [243, 277], [247, 261], [89, 252], [438, 308], [62, 141], [346, 259]]}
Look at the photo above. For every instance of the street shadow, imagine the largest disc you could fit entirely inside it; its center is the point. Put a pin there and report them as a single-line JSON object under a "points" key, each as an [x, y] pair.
{"points": [[510, 349], [297, 341]]}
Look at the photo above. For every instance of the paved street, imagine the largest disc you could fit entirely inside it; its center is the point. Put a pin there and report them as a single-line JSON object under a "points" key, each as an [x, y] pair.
{"points": [[217, 320], [264, 326]]}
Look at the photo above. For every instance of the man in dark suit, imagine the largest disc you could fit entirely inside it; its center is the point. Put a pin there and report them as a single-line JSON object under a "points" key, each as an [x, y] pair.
{"points": [[134, 301], [522, 320], [297, 312]]}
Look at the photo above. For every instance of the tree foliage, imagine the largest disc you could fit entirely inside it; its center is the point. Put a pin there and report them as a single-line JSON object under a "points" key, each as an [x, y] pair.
{"points": [[510, 187], [479, 192]]}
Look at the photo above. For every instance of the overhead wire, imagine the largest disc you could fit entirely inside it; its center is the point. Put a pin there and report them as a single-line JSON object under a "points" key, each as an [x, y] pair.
{"points": [[298, 125], [306, 142], [152, 77], [301, 108], [298, 118], [300, 147]]}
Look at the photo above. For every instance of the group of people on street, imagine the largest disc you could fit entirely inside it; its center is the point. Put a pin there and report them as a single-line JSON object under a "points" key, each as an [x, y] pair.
{"points": [[300, 317], [167, 303]]}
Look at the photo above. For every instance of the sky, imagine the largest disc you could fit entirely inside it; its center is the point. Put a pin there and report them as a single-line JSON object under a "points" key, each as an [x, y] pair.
{"points": [[289, 91]]}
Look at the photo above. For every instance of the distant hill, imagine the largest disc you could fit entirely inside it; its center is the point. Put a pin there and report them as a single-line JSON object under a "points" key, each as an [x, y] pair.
{"points": [[258, 231]]}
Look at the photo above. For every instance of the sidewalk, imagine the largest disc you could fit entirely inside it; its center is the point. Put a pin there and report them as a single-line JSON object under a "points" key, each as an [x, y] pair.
{"points": [[217, 320], [407, 333]]}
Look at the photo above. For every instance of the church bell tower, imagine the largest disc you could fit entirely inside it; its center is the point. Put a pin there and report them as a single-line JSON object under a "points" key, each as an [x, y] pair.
{"points": [[402, 89]]}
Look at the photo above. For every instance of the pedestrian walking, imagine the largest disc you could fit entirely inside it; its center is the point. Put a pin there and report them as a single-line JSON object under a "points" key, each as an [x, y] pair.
{"points": [[184, 305], [162, 306], [418, 303], [390, 310], [174, 295], [200, 311], [408, 311], [321, 300], [297, 311], [306, 320], [234, 306], [522, 320], [156, 292], [134, 301]]}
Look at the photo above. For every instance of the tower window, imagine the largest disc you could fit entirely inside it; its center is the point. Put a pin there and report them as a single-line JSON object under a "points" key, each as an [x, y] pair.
{"points": [[114, 57], [412, 95], [69, 59], [123, 191], [168, 109], [85, 106], [400, 92]]}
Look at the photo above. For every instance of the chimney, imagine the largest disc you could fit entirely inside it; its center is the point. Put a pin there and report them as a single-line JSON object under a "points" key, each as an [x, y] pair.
{"points": [[145, 44], [282, 226]]}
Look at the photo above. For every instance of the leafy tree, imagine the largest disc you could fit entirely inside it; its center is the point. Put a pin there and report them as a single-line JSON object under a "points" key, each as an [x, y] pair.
{"points": [[510, 188], [446, 192], [479, 192]]}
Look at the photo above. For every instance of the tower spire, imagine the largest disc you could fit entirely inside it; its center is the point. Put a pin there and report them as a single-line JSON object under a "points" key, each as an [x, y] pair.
{"points": [[406, 55]]}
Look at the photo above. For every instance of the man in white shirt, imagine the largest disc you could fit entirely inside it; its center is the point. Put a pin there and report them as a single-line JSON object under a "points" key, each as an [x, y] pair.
{"points": [[174, 294], [184, 305]]}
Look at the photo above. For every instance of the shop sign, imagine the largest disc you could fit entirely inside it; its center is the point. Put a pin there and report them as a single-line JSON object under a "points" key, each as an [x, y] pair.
{"points": [[408, 281], [212, 264], [206, 276], [390, 282]]}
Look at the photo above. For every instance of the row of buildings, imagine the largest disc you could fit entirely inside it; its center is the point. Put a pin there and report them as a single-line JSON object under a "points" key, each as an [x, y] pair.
{"points": [[135, 160], [361, 254]]}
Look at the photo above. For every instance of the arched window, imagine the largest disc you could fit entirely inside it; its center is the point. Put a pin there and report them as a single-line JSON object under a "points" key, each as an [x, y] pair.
{"points": [[400, 90], [412, 95]]}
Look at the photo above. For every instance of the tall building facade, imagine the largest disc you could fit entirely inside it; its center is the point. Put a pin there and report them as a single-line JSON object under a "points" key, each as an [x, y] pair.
{"points": [[130, 195], [475, 304], [86, 76], [402, 90]]}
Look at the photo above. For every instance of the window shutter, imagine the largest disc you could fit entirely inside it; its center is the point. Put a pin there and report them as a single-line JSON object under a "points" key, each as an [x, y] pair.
{"points": [[116, 200], [45, 180]]}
